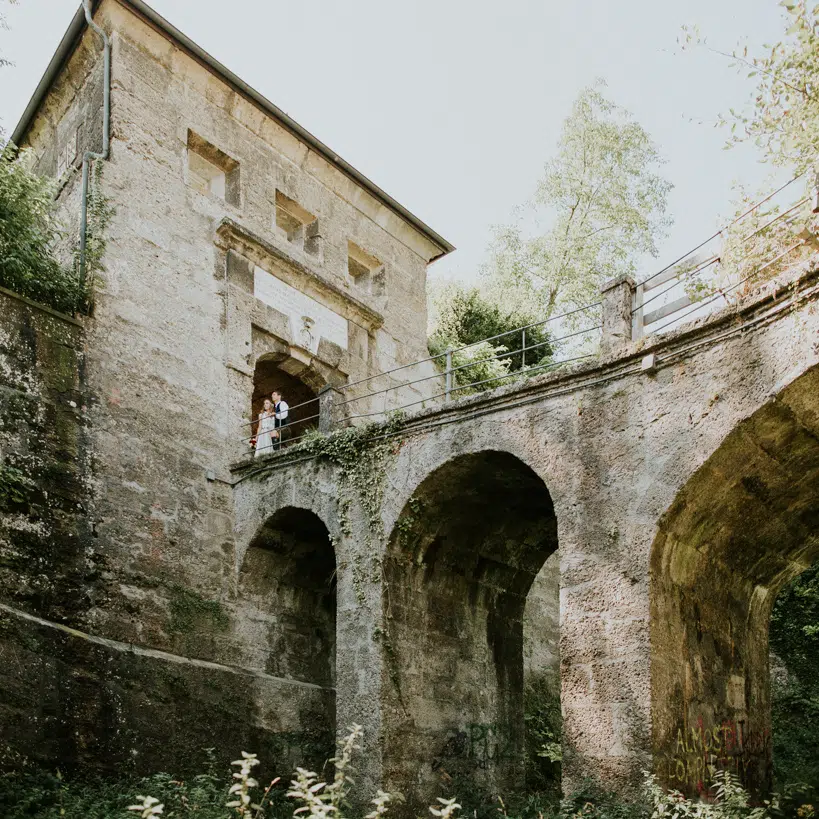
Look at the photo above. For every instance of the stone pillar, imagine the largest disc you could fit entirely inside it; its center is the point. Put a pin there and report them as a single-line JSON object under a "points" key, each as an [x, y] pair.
{"points": [[332, 412], [618, 295]]}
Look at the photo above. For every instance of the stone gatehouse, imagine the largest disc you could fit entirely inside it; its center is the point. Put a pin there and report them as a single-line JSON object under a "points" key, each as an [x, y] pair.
{"points": [[163, 592]]}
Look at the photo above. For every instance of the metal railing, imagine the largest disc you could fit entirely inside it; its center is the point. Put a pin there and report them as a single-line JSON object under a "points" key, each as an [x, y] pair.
{"points": [[442, 380], [694, 284], [454, 373]]}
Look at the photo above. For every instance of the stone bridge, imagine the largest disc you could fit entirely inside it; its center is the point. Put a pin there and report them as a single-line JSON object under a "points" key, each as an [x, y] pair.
{"points": [[677, 479]]}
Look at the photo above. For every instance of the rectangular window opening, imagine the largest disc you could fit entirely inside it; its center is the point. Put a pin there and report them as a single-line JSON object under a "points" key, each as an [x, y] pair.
{"points": [[292, 218], [365, 269], [211, 171]]}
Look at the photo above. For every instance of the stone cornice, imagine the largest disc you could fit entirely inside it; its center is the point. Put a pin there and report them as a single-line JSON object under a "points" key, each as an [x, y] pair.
{"points": [[230, 235]]}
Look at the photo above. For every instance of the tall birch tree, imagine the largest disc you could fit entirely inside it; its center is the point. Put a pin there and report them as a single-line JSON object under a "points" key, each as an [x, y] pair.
{"points": [[598, 209]]}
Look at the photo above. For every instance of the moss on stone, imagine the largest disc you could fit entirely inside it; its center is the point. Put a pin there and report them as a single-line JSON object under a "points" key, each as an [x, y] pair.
{"points": [[15, 488], [189, 611]]}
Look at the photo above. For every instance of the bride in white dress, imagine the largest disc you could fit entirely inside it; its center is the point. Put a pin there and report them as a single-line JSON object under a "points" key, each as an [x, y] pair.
{"points": [[266, 430]]}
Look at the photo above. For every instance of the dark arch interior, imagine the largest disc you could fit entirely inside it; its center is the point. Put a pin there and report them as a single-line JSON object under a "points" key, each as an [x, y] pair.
{"points": [[461, 560], [288, 586], [268, 376], [744, 525]]}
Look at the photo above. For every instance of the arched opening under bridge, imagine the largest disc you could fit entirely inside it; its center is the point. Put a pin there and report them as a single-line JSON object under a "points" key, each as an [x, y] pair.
{"points": [[744, 525], [465, 553], [287, 613]]}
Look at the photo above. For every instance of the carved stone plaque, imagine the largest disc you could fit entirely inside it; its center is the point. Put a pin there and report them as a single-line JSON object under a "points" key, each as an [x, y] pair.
{"points": [[309, 320]]}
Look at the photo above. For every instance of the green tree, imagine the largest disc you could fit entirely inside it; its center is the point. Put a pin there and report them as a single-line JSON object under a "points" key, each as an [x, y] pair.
{"points": [[463, 315], [782, 117], [28, 234], [782, 120], [794, 639], [4, 26], [600, 208], [761, 245]]}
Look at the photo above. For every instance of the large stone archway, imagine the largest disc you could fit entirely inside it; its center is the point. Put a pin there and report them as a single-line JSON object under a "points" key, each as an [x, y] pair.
{"points": [[744, 524], [460, 562], [286, 617]]}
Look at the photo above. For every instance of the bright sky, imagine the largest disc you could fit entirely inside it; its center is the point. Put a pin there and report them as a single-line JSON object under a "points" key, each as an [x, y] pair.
{"points": [[453, 106]]}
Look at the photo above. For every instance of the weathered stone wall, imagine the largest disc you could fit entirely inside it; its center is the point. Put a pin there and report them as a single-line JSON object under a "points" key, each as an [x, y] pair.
{"points": [[743, 526], [83, 701], [69, 123], [541, 627], [68, 694], [47, 560]]}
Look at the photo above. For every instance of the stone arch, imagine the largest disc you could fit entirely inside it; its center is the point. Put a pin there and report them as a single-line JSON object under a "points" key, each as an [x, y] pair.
{"points": [[460, 562], [287, 593], [743, 525], [299, 385]]}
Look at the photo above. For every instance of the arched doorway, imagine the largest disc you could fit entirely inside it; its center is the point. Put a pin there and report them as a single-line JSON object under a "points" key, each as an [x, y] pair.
{"points": [[287, 613], [301, 396], [460, 563], [743, 526]]}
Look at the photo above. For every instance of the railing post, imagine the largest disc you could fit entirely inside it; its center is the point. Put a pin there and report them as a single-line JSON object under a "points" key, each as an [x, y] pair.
{"points": [[618, 304], [332, 412], [638, 316], [523, 348], [448, 387], [816, 191]]}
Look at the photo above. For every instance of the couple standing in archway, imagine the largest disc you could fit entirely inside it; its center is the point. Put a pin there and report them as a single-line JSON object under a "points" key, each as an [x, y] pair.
{"points": [[272, 429]]}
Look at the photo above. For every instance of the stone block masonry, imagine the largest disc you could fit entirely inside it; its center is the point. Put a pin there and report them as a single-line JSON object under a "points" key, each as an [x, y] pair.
{"points": [[410, 616], [47, 557], [76, 698]]}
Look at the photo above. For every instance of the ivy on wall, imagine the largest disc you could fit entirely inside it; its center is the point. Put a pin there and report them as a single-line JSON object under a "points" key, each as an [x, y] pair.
{"points": [[189, 610], [30, 234], [100, 212], [15, 487], [361, 456]]}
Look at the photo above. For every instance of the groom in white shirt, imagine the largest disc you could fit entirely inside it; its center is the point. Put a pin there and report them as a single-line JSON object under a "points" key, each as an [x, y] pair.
{"points": [[281, 412]]}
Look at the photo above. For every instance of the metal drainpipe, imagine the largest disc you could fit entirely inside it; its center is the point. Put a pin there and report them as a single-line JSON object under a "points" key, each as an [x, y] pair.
{"points": [[88, 156]]}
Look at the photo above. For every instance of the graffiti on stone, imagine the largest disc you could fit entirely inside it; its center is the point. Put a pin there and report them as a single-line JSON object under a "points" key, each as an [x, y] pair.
{"points": [[479, 744], [699, 750]]}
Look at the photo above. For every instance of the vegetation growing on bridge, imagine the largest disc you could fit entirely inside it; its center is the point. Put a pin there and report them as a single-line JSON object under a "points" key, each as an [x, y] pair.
{"points": [[361, 455]]}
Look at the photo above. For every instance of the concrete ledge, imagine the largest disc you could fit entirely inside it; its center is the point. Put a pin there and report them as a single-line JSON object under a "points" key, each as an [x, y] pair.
{"points": [[95, 703], [43, 308]]}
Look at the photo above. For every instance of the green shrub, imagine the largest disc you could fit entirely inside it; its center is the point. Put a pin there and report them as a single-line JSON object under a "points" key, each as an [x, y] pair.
{"points": [[29, 793], [464, 315], [29, 233], [794, 639], [541, 709]]}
